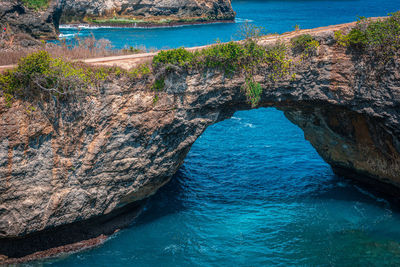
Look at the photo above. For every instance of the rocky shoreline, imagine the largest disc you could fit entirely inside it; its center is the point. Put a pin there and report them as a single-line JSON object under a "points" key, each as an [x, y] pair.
{"points": [[159, 13], [26, 25], [144, 25]]}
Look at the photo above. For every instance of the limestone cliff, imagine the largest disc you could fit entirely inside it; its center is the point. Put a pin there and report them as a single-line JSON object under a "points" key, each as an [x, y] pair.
{"points": [[151, 11], [71, 161]]}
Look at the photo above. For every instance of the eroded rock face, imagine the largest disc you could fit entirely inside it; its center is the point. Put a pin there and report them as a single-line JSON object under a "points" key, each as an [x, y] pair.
{"points": [[37, 24], [71, 161], [78, 10]]}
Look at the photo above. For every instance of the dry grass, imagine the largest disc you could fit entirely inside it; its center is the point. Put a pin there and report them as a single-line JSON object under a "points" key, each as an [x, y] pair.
{"points": [[14, 47]]}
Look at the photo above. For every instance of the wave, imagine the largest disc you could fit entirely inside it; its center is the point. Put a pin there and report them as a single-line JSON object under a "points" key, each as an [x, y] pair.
{"points": [[85, 26], [236, 118], [239, 20], [249, 125], [67, 27], [92, 27], [67, 35]]}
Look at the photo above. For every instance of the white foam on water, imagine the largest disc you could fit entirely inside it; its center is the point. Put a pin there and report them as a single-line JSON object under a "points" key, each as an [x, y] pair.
{"points": [[67, 36], [249, 125], [236, 118], [91, 27], [85, 26], [239, 20]]}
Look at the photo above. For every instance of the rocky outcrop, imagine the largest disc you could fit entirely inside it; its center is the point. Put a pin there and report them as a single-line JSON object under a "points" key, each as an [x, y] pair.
{"points": [[147, 11], [25, 25], [20, 20], [71, 161]]}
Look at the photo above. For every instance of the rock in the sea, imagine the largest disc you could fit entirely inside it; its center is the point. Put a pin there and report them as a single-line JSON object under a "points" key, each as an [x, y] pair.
{"points": [[27, 23], [149, 10]]}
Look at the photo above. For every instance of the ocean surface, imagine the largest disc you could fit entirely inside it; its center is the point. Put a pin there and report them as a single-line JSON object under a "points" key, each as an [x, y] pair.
{"points": [[275, 16], [252, 190]]}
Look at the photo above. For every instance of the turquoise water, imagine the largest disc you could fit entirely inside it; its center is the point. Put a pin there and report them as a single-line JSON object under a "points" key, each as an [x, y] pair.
{"points": [[274, 16], [252, 191]]}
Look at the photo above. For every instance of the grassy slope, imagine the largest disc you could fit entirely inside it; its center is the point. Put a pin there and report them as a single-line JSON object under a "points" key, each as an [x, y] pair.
{"points": [[36, 4]]}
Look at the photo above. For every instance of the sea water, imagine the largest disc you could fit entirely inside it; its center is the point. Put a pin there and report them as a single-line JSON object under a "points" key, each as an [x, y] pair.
{"points": [[276, 16], [252, 191]]}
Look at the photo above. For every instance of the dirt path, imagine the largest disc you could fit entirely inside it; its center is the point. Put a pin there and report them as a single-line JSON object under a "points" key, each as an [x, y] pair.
{"points": [[130, 61]]}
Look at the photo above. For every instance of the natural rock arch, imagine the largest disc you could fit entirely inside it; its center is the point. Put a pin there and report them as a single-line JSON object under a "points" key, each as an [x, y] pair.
{"points": [[87, 160]]}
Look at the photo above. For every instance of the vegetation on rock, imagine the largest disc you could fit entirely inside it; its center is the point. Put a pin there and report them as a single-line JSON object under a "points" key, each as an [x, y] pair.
{"points": [[379, 38], [36, 4], [39, 74], [179, 56], [304, 43], [233, 58]]}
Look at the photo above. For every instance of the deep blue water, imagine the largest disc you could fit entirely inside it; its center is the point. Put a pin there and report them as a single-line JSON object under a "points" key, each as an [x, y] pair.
{"points": [[276, 16], [252, 191]]}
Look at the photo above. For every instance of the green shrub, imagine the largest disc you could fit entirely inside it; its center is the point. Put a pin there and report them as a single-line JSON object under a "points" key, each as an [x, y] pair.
{"points": [[278, 63], [140, 71], [36, 4], [155, 99], [243, 57], [159, 84], [23, 77], [230, 57], [39, 74], [35, 63], [341, 38], [378, 38], [253, 91], [304, 43], [179, 56], [226, 57]]}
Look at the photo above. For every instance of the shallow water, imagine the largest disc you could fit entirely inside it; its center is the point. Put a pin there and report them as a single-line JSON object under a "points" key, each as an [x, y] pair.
{"points": [[252, 191]]}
